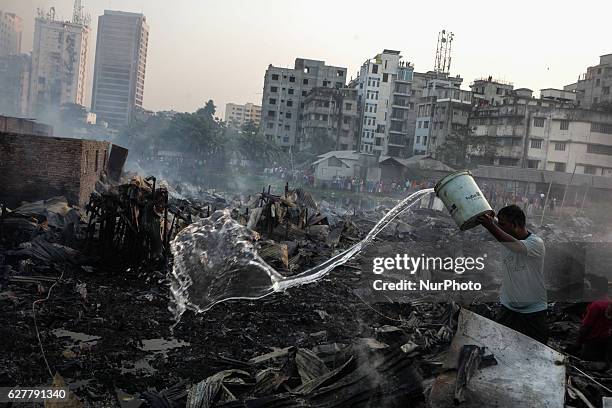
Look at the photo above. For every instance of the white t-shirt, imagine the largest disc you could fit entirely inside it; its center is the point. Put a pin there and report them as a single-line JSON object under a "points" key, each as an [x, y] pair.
{"points": [[523, 289]]}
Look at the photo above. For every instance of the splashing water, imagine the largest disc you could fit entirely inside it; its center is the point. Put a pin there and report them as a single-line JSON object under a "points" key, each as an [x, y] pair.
{"points": [[215, 260]]}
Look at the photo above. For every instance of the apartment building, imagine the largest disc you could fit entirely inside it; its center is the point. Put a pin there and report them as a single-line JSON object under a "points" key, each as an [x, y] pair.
{"points": [[330, 120], [384, 89], [593, 87], [284, 92], [59, 64], [237, 116], [544, 134]]}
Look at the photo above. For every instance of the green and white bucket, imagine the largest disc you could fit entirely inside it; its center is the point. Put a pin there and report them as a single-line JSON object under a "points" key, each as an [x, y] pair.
{"points": [[463, 199]]}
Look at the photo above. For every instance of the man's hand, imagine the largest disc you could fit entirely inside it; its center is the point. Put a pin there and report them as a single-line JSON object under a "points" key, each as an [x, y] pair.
{"points": [[486, 220]]}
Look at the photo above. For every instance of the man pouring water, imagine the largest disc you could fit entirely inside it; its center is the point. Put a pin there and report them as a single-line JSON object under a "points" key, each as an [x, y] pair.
{"points": [[523, 292]]}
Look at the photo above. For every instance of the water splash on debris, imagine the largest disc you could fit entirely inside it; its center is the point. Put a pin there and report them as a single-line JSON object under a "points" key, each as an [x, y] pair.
{"points": [[216, 260]]}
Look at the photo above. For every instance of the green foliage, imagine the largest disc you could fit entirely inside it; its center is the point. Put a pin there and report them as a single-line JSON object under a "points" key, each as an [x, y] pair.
{"points": [[198, 135]]}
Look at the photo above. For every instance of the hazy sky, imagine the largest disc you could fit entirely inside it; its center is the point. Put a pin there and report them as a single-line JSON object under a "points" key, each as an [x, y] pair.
{"points": [[201, 49]]}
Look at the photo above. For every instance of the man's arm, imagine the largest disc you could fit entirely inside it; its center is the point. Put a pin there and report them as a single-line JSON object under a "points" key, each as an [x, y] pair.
{"points": [[513, 244]]}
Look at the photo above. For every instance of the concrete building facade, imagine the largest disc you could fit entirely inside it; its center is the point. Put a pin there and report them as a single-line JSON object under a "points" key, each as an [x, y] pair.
{"points": [[120, 66], [593, 87], [59, 65], [15, 84], [11, 28], [330, 120], [435, 90], [237, 116], [489, 91], [543, 134], [283, 97], [384, 89]]}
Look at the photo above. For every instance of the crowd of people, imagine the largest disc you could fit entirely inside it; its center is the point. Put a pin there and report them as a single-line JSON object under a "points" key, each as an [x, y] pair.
{"points": [[530, 203], [354, 184]]}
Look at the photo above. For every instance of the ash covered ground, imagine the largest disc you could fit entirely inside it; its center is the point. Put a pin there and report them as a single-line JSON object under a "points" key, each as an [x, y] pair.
{"points": [[106, 328]]}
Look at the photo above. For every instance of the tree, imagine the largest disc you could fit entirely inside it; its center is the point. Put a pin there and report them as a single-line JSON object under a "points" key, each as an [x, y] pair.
{"points": [[461, 144], [252, 145]]}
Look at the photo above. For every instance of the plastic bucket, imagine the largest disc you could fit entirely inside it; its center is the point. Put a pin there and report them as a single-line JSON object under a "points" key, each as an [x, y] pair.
{"points": [[462, 198]]}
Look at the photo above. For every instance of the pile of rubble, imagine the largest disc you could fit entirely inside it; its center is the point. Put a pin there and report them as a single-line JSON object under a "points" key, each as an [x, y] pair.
{"points": [[107, 330]]}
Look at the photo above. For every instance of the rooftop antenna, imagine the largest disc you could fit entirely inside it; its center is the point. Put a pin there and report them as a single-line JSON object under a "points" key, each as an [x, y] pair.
{"points": [[443, 52]]}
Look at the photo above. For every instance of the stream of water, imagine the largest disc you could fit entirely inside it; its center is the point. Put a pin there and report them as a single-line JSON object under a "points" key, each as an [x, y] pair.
{"points": [[216, 260]]}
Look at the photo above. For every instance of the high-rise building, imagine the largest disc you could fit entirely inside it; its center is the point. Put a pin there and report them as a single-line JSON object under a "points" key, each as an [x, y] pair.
{"points": [[121, 62], [59, 63], [283, 96], [237, 116], [385, 87], [11, 27], [14, 84]]}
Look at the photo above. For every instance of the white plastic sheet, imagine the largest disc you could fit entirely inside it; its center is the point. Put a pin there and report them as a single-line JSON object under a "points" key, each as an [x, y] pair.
{"points": [[528, 373]]}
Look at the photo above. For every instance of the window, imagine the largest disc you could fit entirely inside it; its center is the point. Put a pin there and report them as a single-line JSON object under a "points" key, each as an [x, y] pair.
{"points": [[560, 146], [274, 89], [339, 73], [605, 90], [538, 122], [275, 77], [325, 83], [533, 164], [348, 106], [564, 125], [599, 149], [286, 139], [289, 103], [291, 79], [559, 166], [290, 91], [96, 161], [305, 81], [536, 143], [385, 77], [425, 140], [287, 127], [426, 124], [419, 123], [272, 101], [597, 81], [590, 169], [304, 93], [270, 125], [375, 69], [288, 115], [338, 85], [418, 139], [271, 113], [498, 91]]}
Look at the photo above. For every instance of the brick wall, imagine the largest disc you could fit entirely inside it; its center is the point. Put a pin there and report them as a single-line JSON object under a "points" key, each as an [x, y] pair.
{"points": [[39, 167], [94, 160], [10, 124]]}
